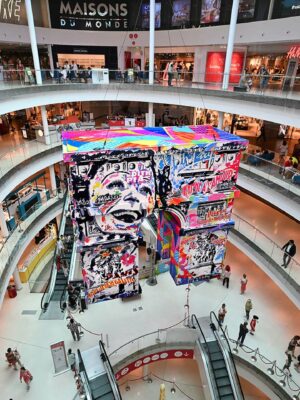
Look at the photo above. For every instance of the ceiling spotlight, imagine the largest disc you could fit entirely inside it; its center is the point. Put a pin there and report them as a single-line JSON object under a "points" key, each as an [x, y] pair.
{"points": [[282, 383], [270, 371], [253, 358], [149, 379], [173, 390], [127, 388]]}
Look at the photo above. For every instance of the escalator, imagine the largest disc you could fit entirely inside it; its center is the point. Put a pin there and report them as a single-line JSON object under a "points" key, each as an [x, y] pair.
{"points": [[97, 374], [217, 360]]}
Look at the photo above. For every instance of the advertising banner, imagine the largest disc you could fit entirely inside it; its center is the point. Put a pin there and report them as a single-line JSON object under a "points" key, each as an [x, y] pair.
{"points": [[210, 11], [246, 9], [215, 63], [146, 16], [181, 12]]}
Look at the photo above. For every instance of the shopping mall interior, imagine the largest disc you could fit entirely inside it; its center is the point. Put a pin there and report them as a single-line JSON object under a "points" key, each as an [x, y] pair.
{"points": [[150, 199]]}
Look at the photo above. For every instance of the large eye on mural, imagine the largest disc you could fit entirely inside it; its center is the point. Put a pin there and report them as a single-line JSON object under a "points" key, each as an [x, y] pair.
{"points": [[145, 190], [116, 167], [218, 158], [116, 184], [230, 157], [131, 166]]}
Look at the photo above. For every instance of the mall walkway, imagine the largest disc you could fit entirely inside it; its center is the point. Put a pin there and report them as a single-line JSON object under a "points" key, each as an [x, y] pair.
{"points": [[162, 306]]}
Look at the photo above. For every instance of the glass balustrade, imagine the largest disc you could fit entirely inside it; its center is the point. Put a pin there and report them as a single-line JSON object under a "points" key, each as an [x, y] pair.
{"points": [[250, 84]]}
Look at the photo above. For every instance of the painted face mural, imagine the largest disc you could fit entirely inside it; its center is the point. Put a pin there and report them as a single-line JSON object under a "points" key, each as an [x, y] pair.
{"points": [[122, 195]]}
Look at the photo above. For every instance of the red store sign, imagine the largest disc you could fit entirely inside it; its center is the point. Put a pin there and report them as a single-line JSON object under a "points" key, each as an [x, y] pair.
{"points": [[294, 52], [159, 356], [215, 64]]}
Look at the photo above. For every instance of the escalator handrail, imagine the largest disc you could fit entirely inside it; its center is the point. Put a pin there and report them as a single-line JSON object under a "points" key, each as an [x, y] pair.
{"points": [[194, 318], [212, 316], [110, 372], [52, 277], [83, 370]]}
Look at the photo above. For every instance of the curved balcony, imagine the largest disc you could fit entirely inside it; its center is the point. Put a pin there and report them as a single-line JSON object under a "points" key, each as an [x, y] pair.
{"points": [[272, 105], [14, 246]]}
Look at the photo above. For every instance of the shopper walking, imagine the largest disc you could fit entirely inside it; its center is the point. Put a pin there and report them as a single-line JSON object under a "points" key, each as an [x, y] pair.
{"points": [[242, 333], [264, 77], [244, 282], [221, 314], [226, 276], [74, 328], [72, 361], [170, 73], [253, 323], [295, 342], [11, 358], [289, 252], [283, 150], [248, 308], [26, 376]]}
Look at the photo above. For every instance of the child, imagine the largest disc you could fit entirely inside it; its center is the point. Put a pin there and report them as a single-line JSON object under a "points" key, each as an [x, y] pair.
{"points": [[26, 376], [253, 323]]}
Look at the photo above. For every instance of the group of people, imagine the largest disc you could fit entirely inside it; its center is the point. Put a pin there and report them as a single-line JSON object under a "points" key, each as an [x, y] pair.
{"points": [[61, 249], [176, 71], [263, 74], [290, 353], [13, 359], [71, 72]]}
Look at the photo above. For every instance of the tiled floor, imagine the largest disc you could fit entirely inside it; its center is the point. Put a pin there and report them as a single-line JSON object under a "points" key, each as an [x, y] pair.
{"points": [[163, 305]]}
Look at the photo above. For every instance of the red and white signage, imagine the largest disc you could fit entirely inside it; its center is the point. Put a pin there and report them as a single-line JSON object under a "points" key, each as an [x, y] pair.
{"points": [[294, 52], [159, 356], [215, 64]]}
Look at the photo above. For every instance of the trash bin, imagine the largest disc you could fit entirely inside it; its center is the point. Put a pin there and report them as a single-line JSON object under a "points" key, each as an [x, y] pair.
{"points": [[12, 291]]}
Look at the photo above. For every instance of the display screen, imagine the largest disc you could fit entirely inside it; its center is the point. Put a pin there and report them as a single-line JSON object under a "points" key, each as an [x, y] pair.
{"points": [[246, 9], [210, 11], [146, 15], [181, 12]]}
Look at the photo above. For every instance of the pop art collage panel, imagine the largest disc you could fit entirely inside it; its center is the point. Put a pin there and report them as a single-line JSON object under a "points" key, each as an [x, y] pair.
{"points": [[110, 272]]}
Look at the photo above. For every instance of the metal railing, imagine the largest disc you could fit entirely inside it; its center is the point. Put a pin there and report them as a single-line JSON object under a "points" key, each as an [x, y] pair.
{"points": [[278, 85], [268, 246], [84, 377], [109, 371], [51, 282]]}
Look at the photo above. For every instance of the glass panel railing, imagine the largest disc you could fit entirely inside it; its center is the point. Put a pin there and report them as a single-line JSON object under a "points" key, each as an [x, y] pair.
{"points": [[262, 84], [286, 177], [22, 152], [110, 372], [269, 247]]}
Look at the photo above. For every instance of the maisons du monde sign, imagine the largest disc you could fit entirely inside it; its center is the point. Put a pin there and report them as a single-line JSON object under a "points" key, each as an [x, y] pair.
{"points": [[90, 15]]}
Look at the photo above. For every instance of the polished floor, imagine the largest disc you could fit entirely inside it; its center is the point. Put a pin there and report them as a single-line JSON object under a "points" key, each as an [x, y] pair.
{"points": [[162, 306]]}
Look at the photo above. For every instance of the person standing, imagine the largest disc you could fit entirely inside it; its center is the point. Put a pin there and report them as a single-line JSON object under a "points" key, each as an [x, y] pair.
{"points": [[283, 149], [292, 346], [264, 78], [72, 361], [287, 365], [170, 73], [248, 308], [289, 252], [74, 328], [226, 275], [11, 358], [296, 150], [221, 314], [26, 376], [244, 282], [242, 333], [253, 323]]}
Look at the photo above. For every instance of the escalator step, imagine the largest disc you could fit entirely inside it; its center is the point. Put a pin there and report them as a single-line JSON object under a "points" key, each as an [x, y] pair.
{"points": [[220, 373], [101, 391], [225, 390], [227, 397], [225, 381], [213, 346], [216, 356], [220, 364]]}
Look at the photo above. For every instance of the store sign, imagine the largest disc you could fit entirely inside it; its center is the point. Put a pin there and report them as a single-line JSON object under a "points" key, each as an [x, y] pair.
{"points": [[85, 15], [59, 356], [150, 358], [215, 63], [294, 52], [10, 11]]}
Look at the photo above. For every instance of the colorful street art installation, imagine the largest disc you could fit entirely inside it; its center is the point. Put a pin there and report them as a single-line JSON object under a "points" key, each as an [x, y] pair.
{"points": [[118, 178]]}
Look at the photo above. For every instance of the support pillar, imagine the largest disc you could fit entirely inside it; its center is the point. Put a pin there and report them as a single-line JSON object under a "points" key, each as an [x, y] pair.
{"points": [[220, 119], [45, 125], [17, 279], [271, 8], [50, 56], [151, 42], [3, 226], [230, 42], [34, 48], [150, 117], [52, 178]]}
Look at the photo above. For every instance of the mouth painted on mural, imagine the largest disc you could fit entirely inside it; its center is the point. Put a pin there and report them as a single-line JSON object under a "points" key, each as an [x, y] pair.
{"points": [[128, 217]]}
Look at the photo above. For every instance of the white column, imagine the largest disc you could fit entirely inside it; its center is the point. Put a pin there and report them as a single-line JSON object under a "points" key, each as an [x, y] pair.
{"points": [[45, 125], [151, 42], [17, 279], [230, 42], [121, 61], [34, 48], [50, 55], [52, 178], [150, 121], [220, 119], [271, 8], [3, 226]]}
